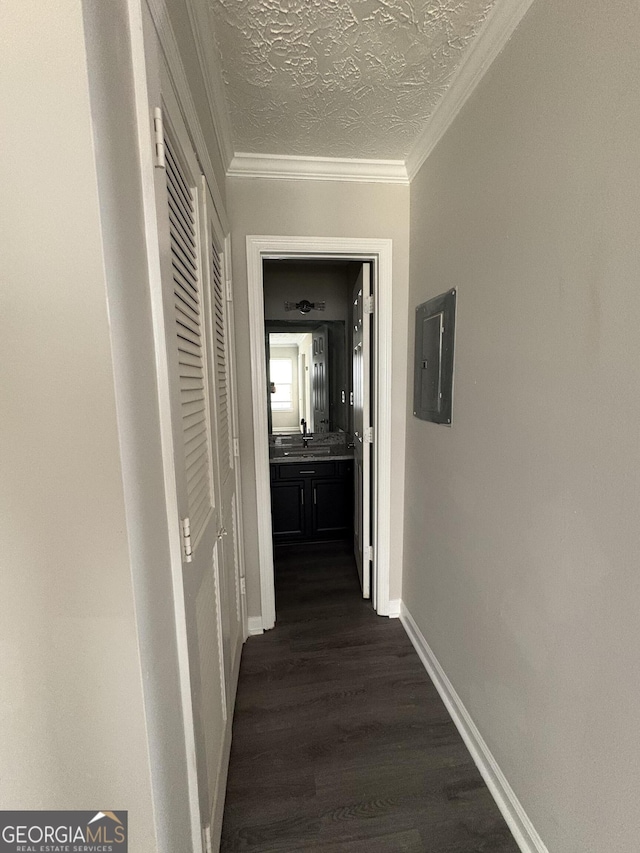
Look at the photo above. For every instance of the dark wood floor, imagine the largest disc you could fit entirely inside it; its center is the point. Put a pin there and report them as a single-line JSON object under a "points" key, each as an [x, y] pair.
{"points": [[341, 744]]}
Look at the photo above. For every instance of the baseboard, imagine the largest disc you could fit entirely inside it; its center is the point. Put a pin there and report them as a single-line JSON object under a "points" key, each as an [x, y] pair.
{"points": [[515, 816], [395, 608], [254, 625]]}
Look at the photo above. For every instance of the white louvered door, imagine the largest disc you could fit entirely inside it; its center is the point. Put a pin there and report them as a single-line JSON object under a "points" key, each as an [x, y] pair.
{"points": [[232, 621], [187, 310]]}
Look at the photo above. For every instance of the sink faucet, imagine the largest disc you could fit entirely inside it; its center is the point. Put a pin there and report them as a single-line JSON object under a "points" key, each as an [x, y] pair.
{"points": [[306, 437]]}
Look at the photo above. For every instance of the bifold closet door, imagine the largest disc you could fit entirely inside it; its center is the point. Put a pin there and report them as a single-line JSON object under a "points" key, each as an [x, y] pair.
{"points": [[187, 309], [221, 337]]}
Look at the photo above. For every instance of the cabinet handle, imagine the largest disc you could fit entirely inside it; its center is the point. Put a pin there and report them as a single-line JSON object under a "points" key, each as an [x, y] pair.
{"points": [[315, 501], [302, 496], [306, 472]]}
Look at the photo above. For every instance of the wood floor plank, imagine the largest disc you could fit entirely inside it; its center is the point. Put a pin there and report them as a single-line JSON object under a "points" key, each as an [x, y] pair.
{"points": [[340, 740]]}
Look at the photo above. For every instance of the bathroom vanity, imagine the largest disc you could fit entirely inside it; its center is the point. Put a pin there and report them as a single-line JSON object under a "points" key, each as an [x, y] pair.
{"points": [[311, 493]]}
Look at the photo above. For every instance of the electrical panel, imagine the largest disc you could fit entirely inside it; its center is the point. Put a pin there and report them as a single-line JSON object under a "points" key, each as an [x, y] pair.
{"points": [[433, 359]]}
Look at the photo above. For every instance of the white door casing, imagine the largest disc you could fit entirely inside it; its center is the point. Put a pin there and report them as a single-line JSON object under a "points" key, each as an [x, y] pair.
{"points": [[379, 251], [361, 357]]}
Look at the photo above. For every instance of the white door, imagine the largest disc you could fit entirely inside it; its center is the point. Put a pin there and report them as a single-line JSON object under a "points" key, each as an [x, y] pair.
{"points": [[320, 379], [187, 308], [236, 501], [223, 392], [361, 423]]}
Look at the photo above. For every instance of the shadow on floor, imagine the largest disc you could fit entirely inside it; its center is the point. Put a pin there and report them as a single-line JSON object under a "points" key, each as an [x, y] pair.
{"points": [[341, 743]]}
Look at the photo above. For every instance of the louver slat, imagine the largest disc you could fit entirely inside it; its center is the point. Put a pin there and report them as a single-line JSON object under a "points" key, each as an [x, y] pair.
{"points": [[224, 430], [186, 308], [189, 341], [185, 301]]}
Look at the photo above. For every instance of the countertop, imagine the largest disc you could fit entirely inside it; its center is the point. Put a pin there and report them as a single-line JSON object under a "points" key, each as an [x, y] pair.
{"points": [[298, 456]]}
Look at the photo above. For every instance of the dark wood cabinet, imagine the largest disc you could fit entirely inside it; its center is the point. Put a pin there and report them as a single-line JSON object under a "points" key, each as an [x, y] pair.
{"points": [[331, 507], [288, 509], [312, 501]]}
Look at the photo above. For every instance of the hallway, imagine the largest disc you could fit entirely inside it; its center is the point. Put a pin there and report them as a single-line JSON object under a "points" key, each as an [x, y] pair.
{"points": [[341, 744]]}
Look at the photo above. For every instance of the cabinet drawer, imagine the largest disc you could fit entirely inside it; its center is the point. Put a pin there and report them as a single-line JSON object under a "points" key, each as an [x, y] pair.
{"points": [[295, 470]]}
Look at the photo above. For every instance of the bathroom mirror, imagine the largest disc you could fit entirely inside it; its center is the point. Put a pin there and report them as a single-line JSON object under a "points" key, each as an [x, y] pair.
{"points": [[307, 376]]}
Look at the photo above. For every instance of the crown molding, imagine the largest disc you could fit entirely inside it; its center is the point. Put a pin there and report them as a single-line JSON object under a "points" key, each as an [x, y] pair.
{"points": [[492, 37], [206, 46], [281, 167]]}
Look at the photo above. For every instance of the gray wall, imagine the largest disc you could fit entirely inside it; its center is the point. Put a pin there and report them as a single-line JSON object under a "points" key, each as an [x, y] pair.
{"points": [[318, 209], [71, 704], [292, 282], [521, 527]]}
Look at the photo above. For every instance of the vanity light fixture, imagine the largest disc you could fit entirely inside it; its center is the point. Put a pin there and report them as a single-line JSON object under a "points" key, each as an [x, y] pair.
{"points": [[304, 306]]}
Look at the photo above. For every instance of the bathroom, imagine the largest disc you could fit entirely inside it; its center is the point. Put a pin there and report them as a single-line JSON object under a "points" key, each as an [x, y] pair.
{"points": [[316, 382]]}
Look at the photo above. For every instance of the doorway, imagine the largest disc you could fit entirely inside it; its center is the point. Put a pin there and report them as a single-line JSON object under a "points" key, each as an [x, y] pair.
{"points": [[376, 254], [314, 384]]}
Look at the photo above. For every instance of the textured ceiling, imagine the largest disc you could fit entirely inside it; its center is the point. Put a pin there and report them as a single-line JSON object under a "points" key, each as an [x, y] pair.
{"points": [[338, 78]]}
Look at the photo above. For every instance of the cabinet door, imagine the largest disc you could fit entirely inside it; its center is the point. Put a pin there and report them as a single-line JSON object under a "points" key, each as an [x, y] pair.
{"points": [[288, 509], [332, 507]]}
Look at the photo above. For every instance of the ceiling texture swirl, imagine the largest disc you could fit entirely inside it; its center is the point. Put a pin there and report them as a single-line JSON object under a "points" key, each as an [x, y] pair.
{"points": [[338, 78]]}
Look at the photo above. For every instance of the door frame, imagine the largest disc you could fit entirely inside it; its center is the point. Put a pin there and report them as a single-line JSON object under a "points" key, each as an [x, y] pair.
{"points": [[379, 252]]}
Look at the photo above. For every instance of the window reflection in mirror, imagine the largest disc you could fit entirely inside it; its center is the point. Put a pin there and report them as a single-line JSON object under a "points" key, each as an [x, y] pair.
{"points": [[289, 380], [281, 372]]}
